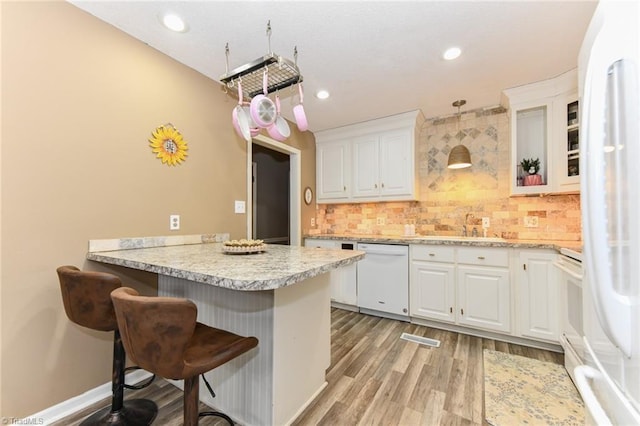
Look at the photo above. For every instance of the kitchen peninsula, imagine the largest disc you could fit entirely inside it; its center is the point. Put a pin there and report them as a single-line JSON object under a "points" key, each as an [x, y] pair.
{"points": [[281, 296]]}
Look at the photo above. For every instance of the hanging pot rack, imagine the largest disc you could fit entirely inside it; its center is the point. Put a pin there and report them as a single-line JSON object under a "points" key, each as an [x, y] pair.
{"points": [[282, 74], [281, 71]]}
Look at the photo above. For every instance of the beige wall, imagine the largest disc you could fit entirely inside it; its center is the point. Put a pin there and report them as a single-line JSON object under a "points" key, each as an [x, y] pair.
{"points": [[79, 100], [447, 196]]}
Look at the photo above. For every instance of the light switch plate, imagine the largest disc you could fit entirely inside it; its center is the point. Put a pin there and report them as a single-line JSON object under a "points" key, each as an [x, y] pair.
{"points": [[486, 222], [240, 207]]}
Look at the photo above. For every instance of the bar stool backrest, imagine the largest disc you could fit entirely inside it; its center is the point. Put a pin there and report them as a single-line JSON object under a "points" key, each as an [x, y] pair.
{"points": [[155, 330], [86, 296]]}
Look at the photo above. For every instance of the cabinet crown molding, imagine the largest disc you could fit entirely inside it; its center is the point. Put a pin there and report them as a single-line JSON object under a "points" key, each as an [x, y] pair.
{"points": [[410, 119], [546, 88]]}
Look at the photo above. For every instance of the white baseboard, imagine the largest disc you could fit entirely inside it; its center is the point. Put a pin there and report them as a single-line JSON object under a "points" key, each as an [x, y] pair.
{"points": [[77, 403]]}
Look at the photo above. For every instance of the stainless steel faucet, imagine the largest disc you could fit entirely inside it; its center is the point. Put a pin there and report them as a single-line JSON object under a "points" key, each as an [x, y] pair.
{"points": [[464, 230]]}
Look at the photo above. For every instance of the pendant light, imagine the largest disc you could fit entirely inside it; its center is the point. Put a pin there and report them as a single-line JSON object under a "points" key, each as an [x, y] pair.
{"points": [[459, 157]]}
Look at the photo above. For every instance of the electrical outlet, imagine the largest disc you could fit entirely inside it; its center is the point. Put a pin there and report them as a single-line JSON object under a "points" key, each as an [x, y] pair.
{"points": [[313, 222], [174, 222], [486, 222], [380, 221], [531, 221], [240, 206]]}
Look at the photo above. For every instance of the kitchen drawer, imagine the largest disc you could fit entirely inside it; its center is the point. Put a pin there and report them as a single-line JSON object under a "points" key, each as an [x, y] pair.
{"points": [[483, 256], [309, 242], [433, 253]]}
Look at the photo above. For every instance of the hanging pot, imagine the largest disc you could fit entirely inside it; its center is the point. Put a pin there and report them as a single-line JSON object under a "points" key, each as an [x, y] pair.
{"points": [[262, 109], [253, 128], [298, 113], [279, 130], [240, 118], [241, 123]]}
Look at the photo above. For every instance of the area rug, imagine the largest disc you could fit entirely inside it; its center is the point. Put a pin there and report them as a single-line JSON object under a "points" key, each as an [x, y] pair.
{"points": [[524, 391]]}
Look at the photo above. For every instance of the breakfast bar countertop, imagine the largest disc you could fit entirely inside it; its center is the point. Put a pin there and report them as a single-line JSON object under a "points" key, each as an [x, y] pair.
{"points": [[278, 266], [281, 296]]}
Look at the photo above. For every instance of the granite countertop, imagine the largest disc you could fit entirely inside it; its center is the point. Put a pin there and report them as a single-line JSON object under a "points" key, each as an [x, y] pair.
{"points": [[278, 266], [456, 241]]}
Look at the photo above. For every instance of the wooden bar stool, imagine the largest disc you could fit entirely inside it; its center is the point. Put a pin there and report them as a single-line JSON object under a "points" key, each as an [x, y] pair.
{"points": [[87, 302], [161, 335]]}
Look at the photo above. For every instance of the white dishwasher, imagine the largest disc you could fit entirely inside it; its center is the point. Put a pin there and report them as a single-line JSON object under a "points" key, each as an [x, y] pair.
{"points": [[383, 280]]}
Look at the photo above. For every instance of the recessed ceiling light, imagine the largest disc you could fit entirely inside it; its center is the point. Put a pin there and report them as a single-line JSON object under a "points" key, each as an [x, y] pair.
{"points": [[322, 94], [451, 53], [174, 23]]}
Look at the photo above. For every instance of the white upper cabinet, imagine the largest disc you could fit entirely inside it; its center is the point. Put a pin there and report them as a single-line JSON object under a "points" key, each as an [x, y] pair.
{"points": [[379, 161], [540, 114], [568, 154], [382, 165], [366, 174], [396, 163], [333, 171]]}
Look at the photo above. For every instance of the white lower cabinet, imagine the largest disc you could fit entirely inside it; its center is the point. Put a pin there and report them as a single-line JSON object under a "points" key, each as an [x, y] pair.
{"points": [[472, 287], [483, 297], [538, 295], [343, 280], [461, 285], [433, 290], [344, 288]]}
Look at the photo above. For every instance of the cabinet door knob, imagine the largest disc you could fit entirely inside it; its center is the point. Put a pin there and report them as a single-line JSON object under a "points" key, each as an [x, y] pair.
{"points": [[461, 311], [382, 184], [344, 188], [432, 254], [481, 257], [451, 310], [375, 185]]}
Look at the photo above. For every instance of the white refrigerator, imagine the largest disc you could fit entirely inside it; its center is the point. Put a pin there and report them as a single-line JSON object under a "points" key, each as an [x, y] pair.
{"points": [[609, 81]]}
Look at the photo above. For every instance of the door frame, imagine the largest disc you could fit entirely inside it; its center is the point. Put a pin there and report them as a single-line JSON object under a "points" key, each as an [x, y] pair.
{"points": [[294, 185]]}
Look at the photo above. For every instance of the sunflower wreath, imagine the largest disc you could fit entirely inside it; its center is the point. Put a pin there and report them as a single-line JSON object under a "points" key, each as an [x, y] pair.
{"points": [[168, 145]]}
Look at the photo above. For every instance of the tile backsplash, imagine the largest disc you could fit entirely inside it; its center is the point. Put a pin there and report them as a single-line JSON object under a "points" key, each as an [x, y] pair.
{"points": [[448, 196]]}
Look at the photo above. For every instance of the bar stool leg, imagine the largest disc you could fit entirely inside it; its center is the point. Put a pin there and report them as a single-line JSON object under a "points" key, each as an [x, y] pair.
{"points": [[191, 400], [117, 374], [134, 412]]}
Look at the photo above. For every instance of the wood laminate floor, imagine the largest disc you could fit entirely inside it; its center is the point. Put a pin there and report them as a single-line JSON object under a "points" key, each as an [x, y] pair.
{"points": [[375, 378]]}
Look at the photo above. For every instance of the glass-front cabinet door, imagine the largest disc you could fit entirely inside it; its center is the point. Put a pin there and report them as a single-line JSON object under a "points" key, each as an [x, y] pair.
{"points": [[568, 109]]}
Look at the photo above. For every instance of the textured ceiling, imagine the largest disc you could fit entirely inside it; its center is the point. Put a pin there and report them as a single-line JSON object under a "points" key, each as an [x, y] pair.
{"points": [[376, 58]]}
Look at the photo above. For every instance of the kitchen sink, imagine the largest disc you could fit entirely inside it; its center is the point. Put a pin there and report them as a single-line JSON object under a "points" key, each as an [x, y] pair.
{"points": [[457, 238]]}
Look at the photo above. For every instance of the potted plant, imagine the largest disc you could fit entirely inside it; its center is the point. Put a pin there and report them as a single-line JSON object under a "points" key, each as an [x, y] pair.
{"points": [[530, 165]]}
